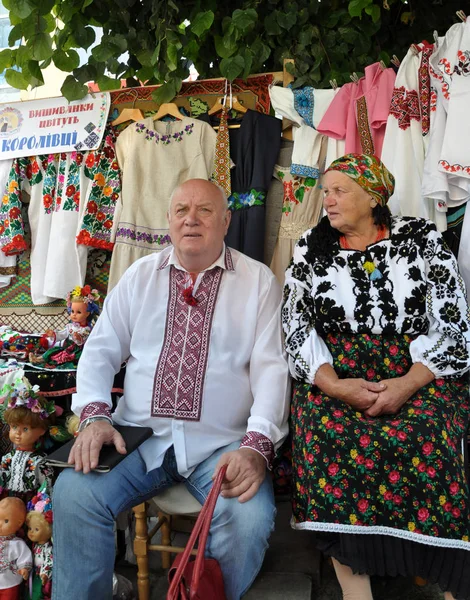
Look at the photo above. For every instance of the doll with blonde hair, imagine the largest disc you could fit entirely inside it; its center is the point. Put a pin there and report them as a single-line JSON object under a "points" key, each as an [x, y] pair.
{"points": [[39, 522], [64, 347], [15, 556]]}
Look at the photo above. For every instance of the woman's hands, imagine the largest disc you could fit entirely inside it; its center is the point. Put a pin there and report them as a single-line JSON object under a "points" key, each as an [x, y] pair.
{"points": [[374, 399], [360, 394], [391, 399]]}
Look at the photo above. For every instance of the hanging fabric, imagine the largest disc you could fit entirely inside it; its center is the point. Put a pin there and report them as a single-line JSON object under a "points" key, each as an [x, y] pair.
{"points": [[407, 136]]}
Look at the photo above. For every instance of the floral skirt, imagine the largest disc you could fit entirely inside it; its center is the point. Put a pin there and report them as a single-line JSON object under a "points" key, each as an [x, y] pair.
{"points": [[377, 489], [62, 357]]}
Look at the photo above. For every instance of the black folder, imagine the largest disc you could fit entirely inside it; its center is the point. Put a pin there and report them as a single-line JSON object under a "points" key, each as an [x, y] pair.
{"points": [[109, 456]]}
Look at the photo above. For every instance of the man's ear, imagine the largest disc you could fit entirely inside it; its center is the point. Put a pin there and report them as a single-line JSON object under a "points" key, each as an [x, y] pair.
{"points": [[228, 218]]}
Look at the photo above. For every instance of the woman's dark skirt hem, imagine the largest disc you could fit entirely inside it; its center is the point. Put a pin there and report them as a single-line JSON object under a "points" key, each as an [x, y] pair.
{"points": [[385, 555]]}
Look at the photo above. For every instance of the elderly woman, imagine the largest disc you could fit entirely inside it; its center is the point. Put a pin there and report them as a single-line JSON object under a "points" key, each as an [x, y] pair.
{"points": [[377, 332]]}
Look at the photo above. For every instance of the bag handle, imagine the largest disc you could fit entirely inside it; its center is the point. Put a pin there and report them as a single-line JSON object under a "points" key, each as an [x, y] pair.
{"points": [[202, 527]]}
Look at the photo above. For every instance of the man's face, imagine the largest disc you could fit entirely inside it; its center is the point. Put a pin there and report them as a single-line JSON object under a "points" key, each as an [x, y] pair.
{"points": [[198, 222]]}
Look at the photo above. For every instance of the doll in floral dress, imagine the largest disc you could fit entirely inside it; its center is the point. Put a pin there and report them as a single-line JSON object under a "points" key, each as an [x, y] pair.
{"points": [[64, 347], [39, 523], [29, 416]]}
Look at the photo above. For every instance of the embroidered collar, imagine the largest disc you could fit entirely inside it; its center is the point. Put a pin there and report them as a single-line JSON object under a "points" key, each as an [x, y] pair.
{"points": [[224, 261]]}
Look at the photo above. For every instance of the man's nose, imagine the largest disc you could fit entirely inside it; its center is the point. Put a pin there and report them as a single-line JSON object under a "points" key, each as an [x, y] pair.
{"points": [[192, 217]]}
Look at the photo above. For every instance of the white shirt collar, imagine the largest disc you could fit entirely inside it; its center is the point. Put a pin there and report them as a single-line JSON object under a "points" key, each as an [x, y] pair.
{"points": [[224, 261]]}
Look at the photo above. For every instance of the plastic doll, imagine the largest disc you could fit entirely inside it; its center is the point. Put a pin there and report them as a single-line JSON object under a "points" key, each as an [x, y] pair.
{"points": [[29, 417], [39, 522], [65, 346], [15, 556]]}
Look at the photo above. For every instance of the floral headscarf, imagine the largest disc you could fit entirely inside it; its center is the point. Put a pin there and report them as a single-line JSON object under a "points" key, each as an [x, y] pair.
{"points": [[369, 172]]}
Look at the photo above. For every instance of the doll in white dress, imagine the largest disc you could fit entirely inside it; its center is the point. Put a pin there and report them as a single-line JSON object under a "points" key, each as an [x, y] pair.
{"points": [[15, 556], [65, 346]]}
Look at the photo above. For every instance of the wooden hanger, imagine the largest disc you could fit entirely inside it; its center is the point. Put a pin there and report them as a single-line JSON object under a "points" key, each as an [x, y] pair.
{"points": [[222, 102], [129, 114], [168, 109]]}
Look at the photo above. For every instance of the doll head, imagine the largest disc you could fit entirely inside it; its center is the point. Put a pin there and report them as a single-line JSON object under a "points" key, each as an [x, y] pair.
{"points": [[39, 517], [12, 515], [39, 529], [27, 413], [82, 305]]}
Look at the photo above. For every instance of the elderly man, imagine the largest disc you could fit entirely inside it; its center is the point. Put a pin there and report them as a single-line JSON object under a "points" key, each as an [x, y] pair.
{"points": [[199, 326]]}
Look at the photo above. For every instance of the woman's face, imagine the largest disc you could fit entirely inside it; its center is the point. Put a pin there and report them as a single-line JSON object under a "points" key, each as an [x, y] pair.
{"points": [[347, 205]]}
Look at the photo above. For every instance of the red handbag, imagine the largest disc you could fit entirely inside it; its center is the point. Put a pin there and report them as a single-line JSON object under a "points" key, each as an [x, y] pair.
{"points": [[199, 579]]}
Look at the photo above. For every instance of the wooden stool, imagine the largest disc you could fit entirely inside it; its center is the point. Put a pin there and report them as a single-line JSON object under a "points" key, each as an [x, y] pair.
{"points": [[175, 501]]}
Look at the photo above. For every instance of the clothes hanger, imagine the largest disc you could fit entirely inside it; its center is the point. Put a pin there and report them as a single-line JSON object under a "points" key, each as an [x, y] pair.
{"points": [[395, 60], [221, 103], [334, 84], [168, 109], [461, 15], [129, 114]]}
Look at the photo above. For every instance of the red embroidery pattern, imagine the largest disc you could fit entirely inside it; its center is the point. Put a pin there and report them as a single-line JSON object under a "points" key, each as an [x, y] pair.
{"points": [[405, 106], [425, 89], [365, 135], [95, 409], [259, 442], [179, 377], [433, 102], [445, 66], [454, 168], [444, 85]]}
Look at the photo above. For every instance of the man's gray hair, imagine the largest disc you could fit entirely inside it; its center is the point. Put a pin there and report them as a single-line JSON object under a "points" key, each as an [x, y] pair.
{"points": [[219, 187]]}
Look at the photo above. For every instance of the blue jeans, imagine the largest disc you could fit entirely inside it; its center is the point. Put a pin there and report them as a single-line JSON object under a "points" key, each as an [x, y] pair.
{"points": [[85, 507]]}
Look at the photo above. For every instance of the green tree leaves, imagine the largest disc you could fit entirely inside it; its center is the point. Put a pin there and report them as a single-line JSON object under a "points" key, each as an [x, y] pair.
{"points": [[155, 41], [202, 22]]}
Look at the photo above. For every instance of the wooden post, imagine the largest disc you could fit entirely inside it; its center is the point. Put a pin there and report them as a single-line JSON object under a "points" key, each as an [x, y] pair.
{"points": [[286, 79], [141, 551]]}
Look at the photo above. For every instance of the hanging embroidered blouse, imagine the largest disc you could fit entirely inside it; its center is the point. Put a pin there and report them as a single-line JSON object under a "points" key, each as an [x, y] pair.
{"points": [[359, 111], [70, 194], [301, 209], [408, 126], [154, 157], [446, 177]]}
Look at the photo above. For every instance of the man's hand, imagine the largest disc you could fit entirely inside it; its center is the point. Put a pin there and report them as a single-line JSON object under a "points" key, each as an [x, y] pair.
{"points": [[246, 470], [359, 393], [392, 398], [86, 450]]}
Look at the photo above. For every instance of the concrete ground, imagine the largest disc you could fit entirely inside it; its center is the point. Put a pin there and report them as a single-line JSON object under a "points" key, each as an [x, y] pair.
{"points": [[292, 570]]}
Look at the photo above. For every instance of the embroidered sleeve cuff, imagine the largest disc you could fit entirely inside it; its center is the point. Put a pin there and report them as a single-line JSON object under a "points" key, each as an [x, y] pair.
{"points": [[260, 443], [95, 409]]}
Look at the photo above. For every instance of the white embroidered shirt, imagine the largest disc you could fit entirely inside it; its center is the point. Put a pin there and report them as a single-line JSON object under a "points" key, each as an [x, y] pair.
{"points": [[201, 376]]}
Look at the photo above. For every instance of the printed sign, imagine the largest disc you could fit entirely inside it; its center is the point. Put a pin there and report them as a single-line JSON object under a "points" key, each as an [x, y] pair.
{"points": [[52, 125]]}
